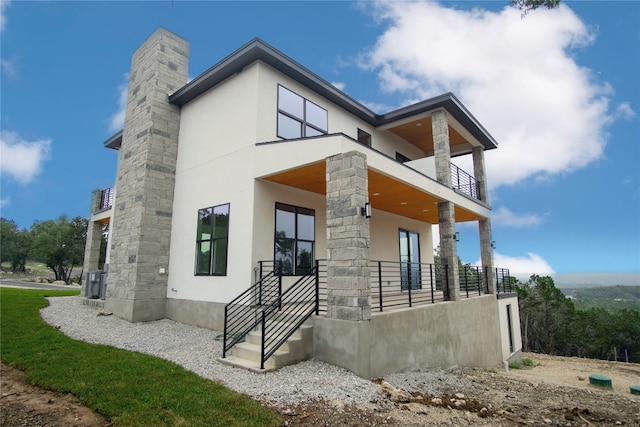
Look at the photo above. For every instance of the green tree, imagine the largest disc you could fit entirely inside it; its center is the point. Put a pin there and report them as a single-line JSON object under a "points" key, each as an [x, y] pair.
{"points": [[529, 5], [60, 244], [544, 315], [15, 245]]}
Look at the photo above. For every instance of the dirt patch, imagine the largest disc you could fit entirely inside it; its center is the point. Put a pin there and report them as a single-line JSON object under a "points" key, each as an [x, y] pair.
{"points": [[22, 404], [555, 391]]}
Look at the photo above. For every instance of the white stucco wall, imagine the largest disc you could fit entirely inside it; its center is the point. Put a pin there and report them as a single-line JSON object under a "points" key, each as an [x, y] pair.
{"points": [[504, 326], [218, 163]]}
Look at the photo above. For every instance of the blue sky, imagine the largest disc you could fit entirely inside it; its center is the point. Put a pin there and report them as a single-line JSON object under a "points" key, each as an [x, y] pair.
{"points": [[559, 90]]}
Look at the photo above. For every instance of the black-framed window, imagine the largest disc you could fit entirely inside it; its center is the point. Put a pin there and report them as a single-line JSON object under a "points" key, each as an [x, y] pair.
{"points": [[364, 138], [402, 158], [212, 241], [294, 241], [298, 117]]}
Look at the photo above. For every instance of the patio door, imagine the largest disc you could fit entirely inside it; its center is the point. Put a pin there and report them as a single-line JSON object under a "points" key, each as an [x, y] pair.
{"points": [[409, 260]]}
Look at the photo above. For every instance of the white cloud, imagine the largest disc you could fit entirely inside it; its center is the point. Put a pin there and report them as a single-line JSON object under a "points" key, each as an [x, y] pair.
{"points": [[517, 76], [9, 68], [522, 266], [3, 16], [625, 111], [116, 122], [339, 85], [5, 202], [21, 159], [506, 218]]}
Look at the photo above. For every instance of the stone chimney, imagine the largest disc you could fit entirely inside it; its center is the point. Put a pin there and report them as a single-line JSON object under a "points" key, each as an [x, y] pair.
{"points": [[141, 223]]}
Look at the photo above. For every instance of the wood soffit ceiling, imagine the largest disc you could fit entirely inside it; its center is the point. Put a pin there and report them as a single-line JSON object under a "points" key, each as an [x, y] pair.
{"points": [[385, 193], [419, 133]]}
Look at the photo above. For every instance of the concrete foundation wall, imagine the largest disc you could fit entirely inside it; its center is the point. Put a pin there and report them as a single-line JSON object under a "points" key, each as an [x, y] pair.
{"points": [[464, 333], [204, 314]]}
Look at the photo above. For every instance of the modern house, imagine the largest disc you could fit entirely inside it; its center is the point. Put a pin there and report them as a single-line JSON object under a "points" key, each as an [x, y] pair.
{"points": [[261, 200]]}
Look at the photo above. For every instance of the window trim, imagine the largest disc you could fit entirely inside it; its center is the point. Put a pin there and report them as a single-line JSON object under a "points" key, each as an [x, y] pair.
{"points": [[296, 211], [212, 240], [304, 123]]}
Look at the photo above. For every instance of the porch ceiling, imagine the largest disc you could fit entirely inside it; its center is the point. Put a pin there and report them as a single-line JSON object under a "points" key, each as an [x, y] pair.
{"points": [[419, 133], [385, 193]]}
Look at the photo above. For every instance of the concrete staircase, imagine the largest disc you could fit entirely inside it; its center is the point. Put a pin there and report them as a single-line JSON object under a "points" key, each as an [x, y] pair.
{"points": [[247, 354]]}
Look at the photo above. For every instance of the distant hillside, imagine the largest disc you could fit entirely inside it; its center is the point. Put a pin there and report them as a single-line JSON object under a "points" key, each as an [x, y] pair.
{"points": [[593, 280], [611, 298]]}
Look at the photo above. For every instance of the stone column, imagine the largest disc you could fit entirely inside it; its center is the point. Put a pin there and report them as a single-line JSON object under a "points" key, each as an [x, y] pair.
{"points": [[448, 250], [446, 210], [441, 147], [142, 214], [486, 254], [479, 173], [348, 281], [92, 245], [484, 225]]}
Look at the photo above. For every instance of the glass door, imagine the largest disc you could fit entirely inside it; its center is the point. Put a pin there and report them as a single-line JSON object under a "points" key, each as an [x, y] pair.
{"points": [[410, 260]]}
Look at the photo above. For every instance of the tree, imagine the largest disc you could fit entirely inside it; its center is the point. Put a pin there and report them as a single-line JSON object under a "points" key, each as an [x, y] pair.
{"points": [[60, 244], [529, 5], [15, 245], [544, 315]]}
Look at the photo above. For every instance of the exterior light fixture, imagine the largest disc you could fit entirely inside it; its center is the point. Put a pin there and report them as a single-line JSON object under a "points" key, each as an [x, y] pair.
{"points": [[366, 211], [456, 236], [493, 244]]}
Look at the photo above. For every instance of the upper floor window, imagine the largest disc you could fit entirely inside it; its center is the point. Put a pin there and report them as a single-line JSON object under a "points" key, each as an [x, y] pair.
{"points": [[298, 117], [402, 158], [294, 239], [212, 241], [364, 138]]}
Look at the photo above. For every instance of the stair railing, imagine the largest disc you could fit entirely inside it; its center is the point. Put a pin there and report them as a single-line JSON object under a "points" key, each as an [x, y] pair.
{"points": [[284, 316], [242, 314]]}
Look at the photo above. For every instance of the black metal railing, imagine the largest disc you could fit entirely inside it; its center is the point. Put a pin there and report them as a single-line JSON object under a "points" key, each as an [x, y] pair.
{"points": [[284, 316], [106, 198], [242, 314], [404, 284], [503, 280], [462, 181], [472, 280]]}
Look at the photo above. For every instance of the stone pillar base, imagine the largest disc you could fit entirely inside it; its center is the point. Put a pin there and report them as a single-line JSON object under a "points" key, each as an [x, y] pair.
{"points": [[137, 310]]}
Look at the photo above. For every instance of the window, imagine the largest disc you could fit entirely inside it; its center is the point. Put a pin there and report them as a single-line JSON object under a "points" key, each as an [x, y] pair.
{"points": [[212, 241], [298, 117], [364, 138], [410, 274], [402, 158], [294, 240]]}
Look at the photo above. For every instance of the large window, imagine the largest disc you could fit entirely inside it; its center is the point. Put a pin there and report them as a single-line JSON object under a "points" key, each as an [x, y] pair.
{"points": [[298, 117], [212, 241], [294, 239]]}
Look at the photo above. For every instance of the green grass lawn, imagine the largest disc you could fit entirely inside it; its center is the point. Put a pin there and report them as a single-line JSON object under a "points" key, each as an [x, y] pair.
{"points": [[130, 389]]}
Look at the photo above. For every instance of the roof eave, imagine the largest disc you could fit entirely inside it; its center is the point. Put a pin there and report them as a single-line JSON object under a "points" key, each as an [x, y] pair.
{"points": [[114, 141], [258, 50]]}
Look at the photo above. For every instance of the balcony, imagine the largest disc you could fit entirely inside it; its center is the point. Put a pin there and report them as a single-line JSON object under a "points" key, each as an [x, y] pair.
{"points": [[460, 180], [106, 199]]}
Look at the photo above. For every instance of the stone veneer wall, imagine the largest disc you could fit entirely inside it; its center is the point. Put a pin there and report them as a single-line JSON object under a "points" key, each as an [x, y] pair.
{"points": [[94, 233], [348, 281], [446, 210], [142, 215]]}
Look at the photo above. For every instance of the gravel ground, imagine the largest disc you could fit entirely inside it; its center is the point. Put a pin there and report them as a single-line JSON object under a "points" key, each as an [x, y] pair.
{"points": [[197, 350]]}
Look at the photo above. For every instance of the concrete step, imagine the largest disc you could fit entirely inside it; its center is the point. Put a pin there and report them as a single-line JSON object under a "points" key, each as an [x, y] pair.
{"points": [[247, 354]]}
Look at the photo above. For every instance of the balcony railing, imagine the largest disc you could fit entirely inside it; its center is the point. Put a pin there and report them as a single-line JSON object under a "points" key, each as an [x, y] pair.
{"points": [[503, 281], [396, 285], [465, 183], [106, 198]]}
